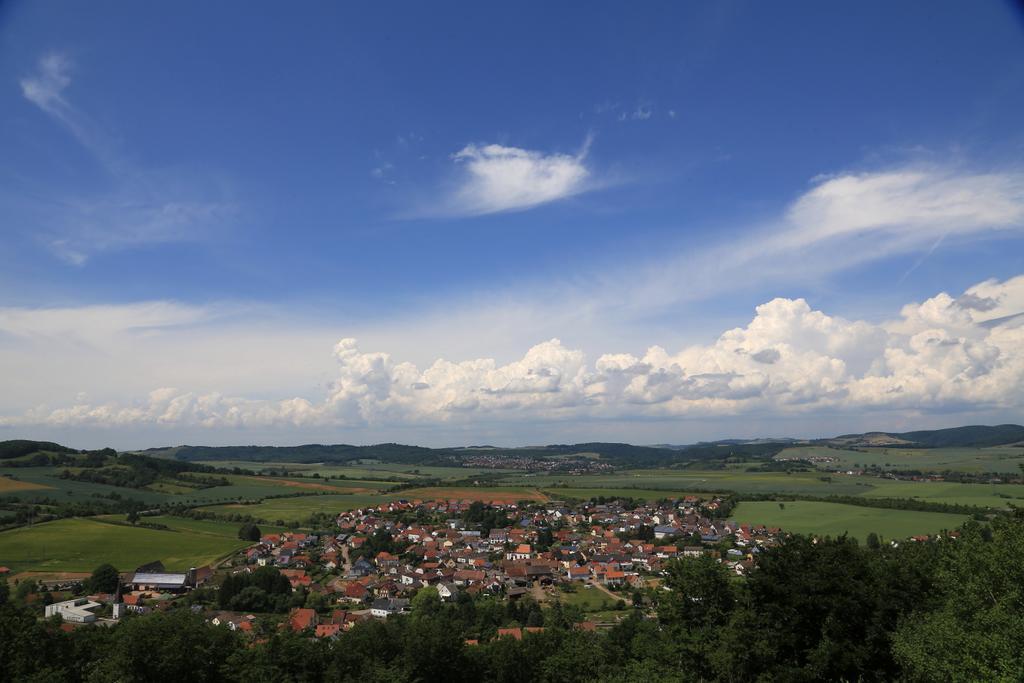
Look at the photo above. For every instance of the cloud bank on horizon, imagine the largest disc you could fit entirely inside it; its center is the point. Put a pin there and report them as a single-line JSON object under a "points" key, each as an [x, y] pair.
{"points": [[943, 354]]}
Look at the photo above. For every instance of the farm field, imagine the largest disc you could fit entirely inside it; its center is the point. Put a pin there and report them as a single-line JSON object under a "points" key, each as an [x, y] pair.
{"points": [[38, 482], [642, 494], [52, 486], [653, 484], [208, 527], [299, 508], [491, 494], [810, 483], [986, 495], [8, 485], [80, 545], [834, 519], [1003, 459]]}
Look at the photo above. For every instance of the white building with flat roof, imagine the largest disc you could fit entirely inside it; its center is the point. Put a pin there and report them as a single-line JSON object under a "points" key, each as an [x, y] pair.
{"points": [[78, 611]]}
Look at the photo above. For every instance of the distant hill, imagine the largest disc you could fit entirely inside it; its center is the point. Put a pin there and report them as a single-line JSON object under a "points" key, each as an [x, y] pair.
{"points": [[621, 454], [972, 436], [21, 447], [614, 453]]}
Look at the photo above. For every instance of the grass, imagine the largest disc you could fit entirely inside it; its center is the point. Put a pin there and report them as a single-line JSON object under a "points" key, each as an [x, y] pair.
{"points": [[1002, 459], [80, 545], [835, 519], [493, 494], [643, 494], [300, 508], [587, 599], [987, 495]]}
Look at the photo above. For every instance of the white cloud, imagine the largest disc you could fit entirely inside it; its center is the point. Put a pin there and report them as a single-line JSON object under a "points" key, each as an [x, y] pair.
{"points": [[843, 221], [908, 204], [497, 178], [45, 88], [941, 354]]}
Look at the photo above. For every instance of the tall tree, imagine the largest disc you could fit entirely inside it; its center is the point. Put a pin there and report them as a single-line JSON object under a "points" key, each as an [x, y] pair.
{"points": [[104, 579]]}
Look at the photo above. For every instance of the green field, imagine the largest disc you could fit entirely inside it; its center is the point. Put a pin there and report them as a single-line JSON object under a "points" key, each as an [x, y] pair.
{"points": [[80, 545], [834, 519], [48, 484], [987, 495], [1002, 459], [297, 509], [587, 599], [653, 484], [642, 494], [300, 508]]}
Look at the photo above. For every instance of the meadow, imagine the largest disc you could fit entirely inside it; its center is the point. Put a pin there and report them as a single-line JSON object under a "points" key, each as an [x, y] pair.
{"points": [[641, 494], [834, 519], [298, 509], [1001, 459], [654, 484], [82, 544], [985, 495], [587, 599]]}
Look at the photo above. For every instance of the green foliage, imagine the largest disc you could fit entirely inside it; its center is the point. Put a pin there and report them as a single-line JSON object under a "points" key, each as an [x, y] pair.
{"points": [[21, 447], [104, 579], [249, 532], [173, 646], [977, 632], [24, 589], [264, 590]]}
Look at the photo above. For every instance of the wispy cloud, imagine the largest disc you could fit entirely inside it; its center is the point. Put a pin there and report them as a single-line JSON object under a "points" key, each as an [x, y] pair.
{"points": [[46, 86], [496, 178], [141, 206]]}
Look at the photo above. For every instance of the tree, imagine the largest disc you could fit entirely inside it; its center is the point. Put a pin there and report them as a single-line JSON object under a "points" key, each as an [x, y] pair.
{"points": [[132, 517], [426, 603], [172, 646], [249, 532], [977, 631], [873, 542], [702, 593], [104, 579], [26, 588]]}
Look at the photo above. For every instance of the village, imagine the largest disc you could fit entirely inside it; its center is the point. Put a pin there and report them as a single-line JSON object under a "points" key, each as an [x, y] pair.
{"points": [[376, 561]]}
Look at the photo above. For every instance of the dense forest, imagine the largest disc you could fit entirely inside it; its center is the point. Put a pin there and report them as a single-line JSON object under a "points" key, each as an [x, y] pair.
{"points": [[946, 610]]}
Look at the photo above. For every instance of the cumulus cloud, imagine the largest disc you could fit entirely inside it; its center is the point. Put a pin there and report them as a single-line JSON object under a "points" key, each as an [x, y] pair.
{"points": [[790, 359], [497, 178]]}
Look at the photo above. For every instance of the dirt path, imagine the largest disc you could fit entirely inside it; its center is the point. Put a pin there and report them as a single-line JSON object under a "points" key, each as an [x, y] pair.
{"points": [[602, 588]]}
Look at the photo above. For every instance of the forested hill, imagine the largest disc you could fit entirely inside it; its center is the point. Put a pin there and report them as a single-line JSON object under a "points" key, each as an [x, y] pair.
{"points": [[18, 448], [972, 436], [616, 453]]}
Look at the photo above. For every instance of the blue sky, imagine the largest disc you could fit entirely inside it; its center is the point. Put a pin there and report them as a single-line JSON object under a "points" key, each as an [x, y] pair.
{"points": [[198, 202]]}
